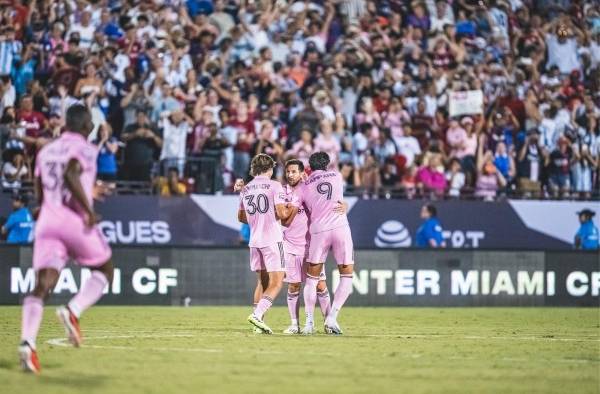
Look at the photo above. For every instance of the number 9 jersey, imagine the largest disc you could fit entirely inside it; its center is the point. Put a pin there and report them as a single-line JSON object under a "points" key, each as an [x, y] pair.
{"points": [[320, 193], [258, 200]]}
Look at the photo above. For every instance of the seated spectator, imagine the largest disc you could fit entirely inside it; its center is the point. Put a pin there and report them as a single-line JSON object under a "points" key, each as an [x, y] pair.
{"points": [[455, 177], [19, 225], [170, 185], [370, 177], [408, 146], [389, 177], [430, 176]]}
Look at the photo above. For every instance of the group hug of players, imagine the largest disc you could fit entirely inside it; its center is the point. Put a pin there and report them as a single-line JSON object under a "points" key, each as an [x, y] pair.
{"points": [[312, 212]]}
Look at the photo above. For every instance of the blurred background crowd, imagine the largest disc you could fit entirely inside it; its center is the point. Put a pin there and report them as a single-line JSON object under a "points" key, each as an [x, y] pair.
{"points": [[184, 93]]}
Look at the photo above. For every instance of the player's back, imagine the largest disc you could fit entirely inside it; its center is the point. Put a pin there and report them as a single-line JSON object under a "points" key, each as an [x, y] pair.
{"points": [[320, 194], [258, 199], [51, 164]]}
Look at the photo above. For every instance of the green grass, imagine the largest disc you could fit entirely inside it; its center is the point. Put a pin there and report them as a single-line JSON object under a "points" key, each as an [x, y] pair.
{"points": [[384, 350]]}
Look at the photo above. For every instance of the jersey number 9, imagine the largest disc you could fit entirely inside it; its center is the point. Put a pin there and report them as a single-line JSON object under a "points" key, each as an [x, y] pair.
{"points": [[326, 189]]}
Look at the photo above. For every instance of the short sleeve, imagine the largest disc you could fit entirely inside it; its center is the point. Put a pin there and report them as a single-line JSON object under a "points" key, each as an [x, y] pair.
{"points": [[278, 194], [10, 222], [85, 155], [241, 204]]}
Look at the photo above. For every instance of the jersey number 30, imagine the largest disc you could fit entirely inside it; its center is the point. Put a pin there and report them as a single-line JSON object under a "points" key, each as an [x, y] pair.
{"points": [[261, 205]]}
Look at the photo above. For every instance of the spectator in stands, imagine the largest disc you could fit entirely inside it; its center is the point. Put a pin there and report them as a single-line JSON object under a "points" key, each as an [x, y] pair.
{"points": [[15, 170], [19, 225], [175, 127], [142, 140], [430, 177], [170, 185], [489, 179], [530, 163], [107, 160], [429, 234], [559, 165], [455, 178]]}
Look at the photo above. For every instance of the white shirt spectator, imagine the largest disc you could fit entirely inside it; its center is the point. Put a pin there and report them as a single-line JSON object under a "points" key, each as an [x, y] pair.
{"points": [[408, 146], [86, 34], [9, 170], [563, 55], [174, 138]]}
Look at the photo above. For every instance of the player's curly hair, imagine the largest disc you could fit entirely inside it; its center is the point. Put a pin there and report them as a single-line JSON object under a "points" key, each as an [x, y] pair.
{"points": [[260, 164], [318, 161]]}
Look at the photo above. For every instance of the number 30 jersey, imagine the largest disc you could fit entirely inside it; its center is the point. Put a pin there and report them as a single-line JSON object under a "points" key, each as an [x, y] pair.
{"points": [[50, 166], [320, 194], [258, 199]]}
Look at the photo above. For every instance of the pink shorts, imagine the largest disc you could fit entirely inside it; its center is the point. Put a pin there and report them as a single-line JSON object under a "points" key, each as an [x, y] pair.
{"points": [[269, 258], [63, 235], [339, 240], [295, 269]]}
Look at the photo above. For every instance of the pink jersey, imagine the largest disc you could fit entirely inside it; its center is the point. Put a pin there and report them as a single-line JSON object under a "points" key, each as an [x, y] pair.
{"points": [[296, 235], [320, 194], [258, 199], [50, 166]]}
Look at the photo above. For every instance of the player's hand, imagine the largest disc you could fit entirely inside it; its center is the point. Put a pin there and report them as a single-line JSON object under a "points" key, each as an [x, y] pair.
{"points": [[102, 189], [340, 208], [238, 185]]}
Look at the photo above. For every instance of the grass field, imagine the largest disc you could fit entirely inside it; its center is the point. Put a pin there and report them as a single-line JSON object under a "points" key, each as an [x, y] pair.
{"points": [[384, 350]]}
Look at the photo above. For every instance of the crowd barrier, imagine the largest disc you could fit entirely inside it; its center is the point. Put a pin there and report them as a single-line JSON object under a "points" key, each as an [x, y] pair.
{"points": [[390, 277]]}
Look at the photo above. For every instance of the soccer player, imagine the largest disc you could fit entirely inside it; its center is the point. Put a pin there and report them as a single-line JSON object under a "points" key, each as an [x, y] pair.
{"points": [[262, 204], [65, 176], [296, 237], [328, 230]]}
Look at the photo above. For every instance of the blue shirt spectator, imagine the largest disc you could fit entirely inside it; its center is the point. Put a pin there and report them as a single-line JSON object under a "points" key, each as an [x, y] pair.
{"points": [[587, 235], [429, 235], [19, 225]]}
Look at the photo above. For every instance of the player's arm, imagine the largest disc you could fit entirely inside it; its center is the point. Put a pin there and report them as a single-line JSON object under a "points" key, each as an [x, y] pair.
{"points": [[287, 222], [242, 216], [283, 212], [341, 208], [73, 183]]}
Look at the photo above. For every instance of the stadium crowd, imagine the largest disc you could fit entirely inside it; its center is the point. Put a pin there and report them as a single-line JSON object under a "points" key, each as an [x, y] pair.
{"points": [[172, 84]]}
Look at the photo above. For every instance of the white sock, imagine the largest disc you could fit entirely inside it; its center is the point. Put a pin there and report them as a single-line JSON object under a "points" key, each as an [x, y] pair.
{"points": [[295, 322], [333, 314], [309, 319]]}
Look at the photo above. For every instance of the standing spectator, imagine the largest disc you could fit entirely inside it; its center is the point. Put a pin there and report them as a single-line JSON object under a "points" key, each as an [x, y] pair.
{"points": [[175, 128], [107, 160], [562, 40], [456, 137], [328, 143], [429, 234], [559, 165], [530, 162], [142, 140], [14, 171], [489, 179], [19, 225], [587, 236], [302, 149], [408, 146], [32, 121]]}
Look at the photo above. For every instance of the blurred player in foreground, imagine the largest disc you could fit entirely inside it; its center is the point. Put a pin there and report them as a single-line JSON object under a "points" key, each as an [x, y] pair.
{"points": [[262, 205], [65, 177], [320, 194]]}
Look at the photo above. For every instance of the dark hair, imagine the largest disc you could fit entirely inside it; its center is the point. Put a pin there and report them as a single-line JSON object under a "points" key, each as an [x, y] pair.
{"points": [[319, 161], [260, 164], [78, 119], [431, 209], [295, 162]]}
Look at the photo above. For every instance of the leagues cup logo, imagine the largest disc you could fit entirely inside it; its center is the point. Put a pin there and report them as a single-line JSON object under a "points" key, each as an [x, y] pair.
{"points": [[392, 234]]}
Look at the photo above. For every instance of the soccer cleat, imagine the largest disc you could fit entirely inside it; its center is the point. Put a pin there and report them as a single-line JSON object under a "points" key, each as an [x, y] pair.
{"points": [[258, 323], [71, 324], [332, 328], [308, 329], [292, 330], [29, 359], [257, 330]]}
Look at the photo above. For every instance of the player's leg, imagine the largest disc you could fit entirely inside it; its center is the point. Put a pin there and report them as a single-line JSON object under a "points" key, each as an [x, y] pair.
{"points": [[317, 253], [274, 261], [33, 310], [90, 249], [262, 282], [323, 296], [343, 251], [293, 277]]}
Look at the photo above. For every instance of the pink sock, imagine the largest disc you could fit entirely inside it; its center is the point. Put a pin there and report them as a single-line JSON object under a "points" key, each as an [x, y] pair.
{"points": [[341, 295], [33, 310], [310, 298], [263, 306], [89, 294], [293, 306], [324, 302]]}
